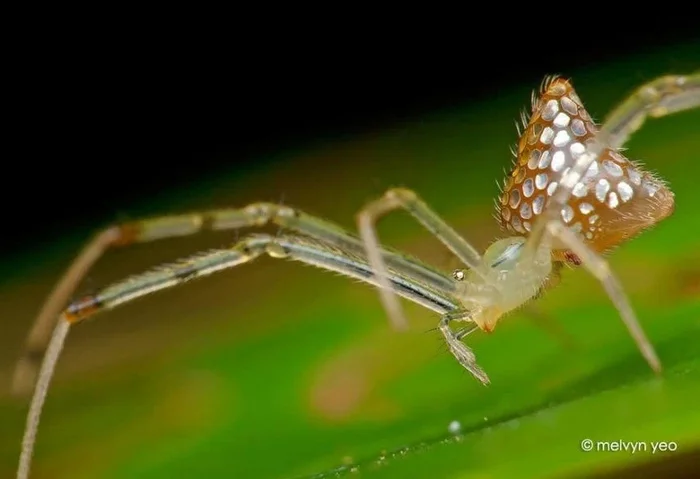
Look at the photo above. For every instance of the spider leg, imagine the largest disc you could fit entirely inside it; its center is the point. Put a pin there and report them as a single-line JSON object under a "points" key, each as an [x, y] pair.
{"points": [[152, 229], [393, 199], [313, 251], [466, 331], [599, 268], [658, 98], [308, 250]]}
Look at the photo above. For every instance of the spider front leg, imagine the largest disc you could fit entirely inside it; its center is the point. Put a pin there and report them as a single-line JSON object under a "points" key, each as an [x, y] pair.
{"points": [[313, 251], [408, 200], [153, 229], [599, 268]]}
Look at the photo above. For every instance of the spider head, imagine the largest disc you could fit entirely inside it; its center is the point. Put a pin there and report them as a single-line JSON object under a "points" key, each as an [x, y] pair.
{"points": [[507, 279]]}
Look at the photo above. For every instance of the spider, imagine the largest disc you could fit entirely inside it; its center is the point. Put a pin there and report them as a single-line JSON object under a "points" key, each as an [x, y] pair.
{"points": [[570, 197]]}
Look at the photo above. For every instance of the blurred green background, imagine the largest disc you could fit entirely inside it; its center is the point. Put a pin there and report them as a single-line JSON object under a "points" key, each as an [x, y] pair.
{"points": [[278, 370]]}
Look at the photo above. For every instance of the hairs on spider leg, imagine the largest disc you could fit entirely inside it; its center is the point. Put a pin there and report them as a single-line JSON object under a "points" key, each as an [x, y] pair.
{"points": [[280, 228], [430, 330], [441, 349]]}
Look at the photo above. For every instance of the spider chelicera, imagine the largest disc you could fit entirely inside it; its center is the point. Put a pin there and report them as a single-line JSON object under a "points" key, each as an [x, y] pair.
{"points": [[570, 198]]}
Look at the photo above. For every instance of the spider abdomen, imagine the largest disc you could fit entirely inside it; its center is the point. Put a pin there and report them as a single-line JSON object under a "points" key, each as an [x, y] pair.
{"points": [[615, 199]]}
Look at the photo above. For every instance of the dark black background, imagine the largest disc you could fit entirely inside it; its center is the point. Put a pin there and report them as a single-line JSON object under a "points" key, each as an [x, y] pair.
{"points": [[98, 129]]}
